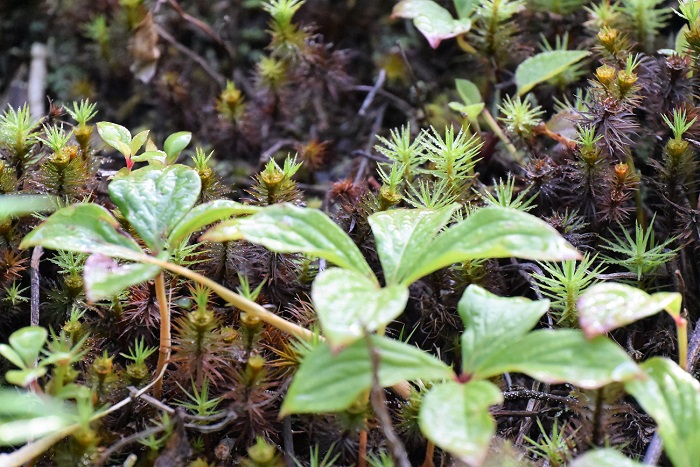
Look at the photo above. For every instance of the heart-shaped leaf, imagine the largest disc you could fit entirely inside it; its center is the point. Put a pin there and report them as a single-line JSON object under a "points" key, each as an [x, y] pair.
{"points": [[104, 278], [608, 457], [456, 418], [116, 136], [285, 228], [174, 144], [83, 228], [206, 214], [402, 235], [432, 20], [154, 199], [349, 304], [608, 305], [330, 381], [565, 355], [492, 323], [544, 66], [672, 397], [494, 232]]}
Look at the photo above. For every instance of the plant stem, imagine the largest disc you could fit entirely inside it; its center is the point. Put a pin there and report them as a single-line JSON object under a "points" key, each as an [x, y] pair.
{"points": [[403, 389], [682, 332], [165, 339], [429, 453], [493, 124], [234, 299]]}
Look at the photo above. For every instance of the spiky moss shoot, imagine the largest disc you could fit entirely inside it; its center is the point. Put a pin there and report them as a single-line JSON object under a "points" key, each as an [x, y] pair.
{"points": [[274, 184], [231, 103], [8, 178], [262, 454]]}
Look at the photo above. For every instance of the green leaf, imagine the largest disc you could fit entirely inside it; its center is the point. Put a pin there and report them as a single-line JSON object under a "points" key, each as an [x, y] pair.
{"points": [[494, 232], [206, 214], [492, 323], [28, 342], [330, 381], [83, 228], [470, 111], [565, 355], [151, 156], [137, 141], [26, 416], [432, 20], [604, 458], [544, 66], [456, 418], [154, 199], [349, 304], [468, 92], [104, 278], [465, 7], [10, 354], [20, 205], [607, 306], [116, 136], [174, 144], [285, 228], [24, 378], [402, 235], [672, 397]]}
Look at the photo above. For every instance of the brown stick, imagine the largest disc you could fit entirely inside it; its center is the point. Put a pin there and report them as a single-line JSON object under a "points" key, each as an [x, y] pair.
{"points": [[34, 273]]}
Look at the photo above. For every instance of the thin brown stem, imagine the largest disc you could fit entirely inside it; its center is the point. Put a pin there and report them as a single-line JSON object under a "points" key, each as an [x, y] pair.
{"points": [[403, 389], [429, 454], [362, 449], [165, 337]]}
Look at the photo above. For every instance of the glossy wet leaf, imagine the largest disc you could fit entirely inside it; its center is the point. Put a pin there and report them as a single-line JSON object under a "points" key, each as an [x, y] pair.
{"points": [[672, 397], [402, 235], [492, 323], [24, 378], [22, 205], [105, 278], [608, 457], [208, 213], [494, 232], [328, 381], [456, 418], [174, 144], [26, 416], [349, 304], [564, 355], [83, 228], [116, 136], [154, 199], [607, 306], [433, 21], [544, 66], [285, 228]]}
